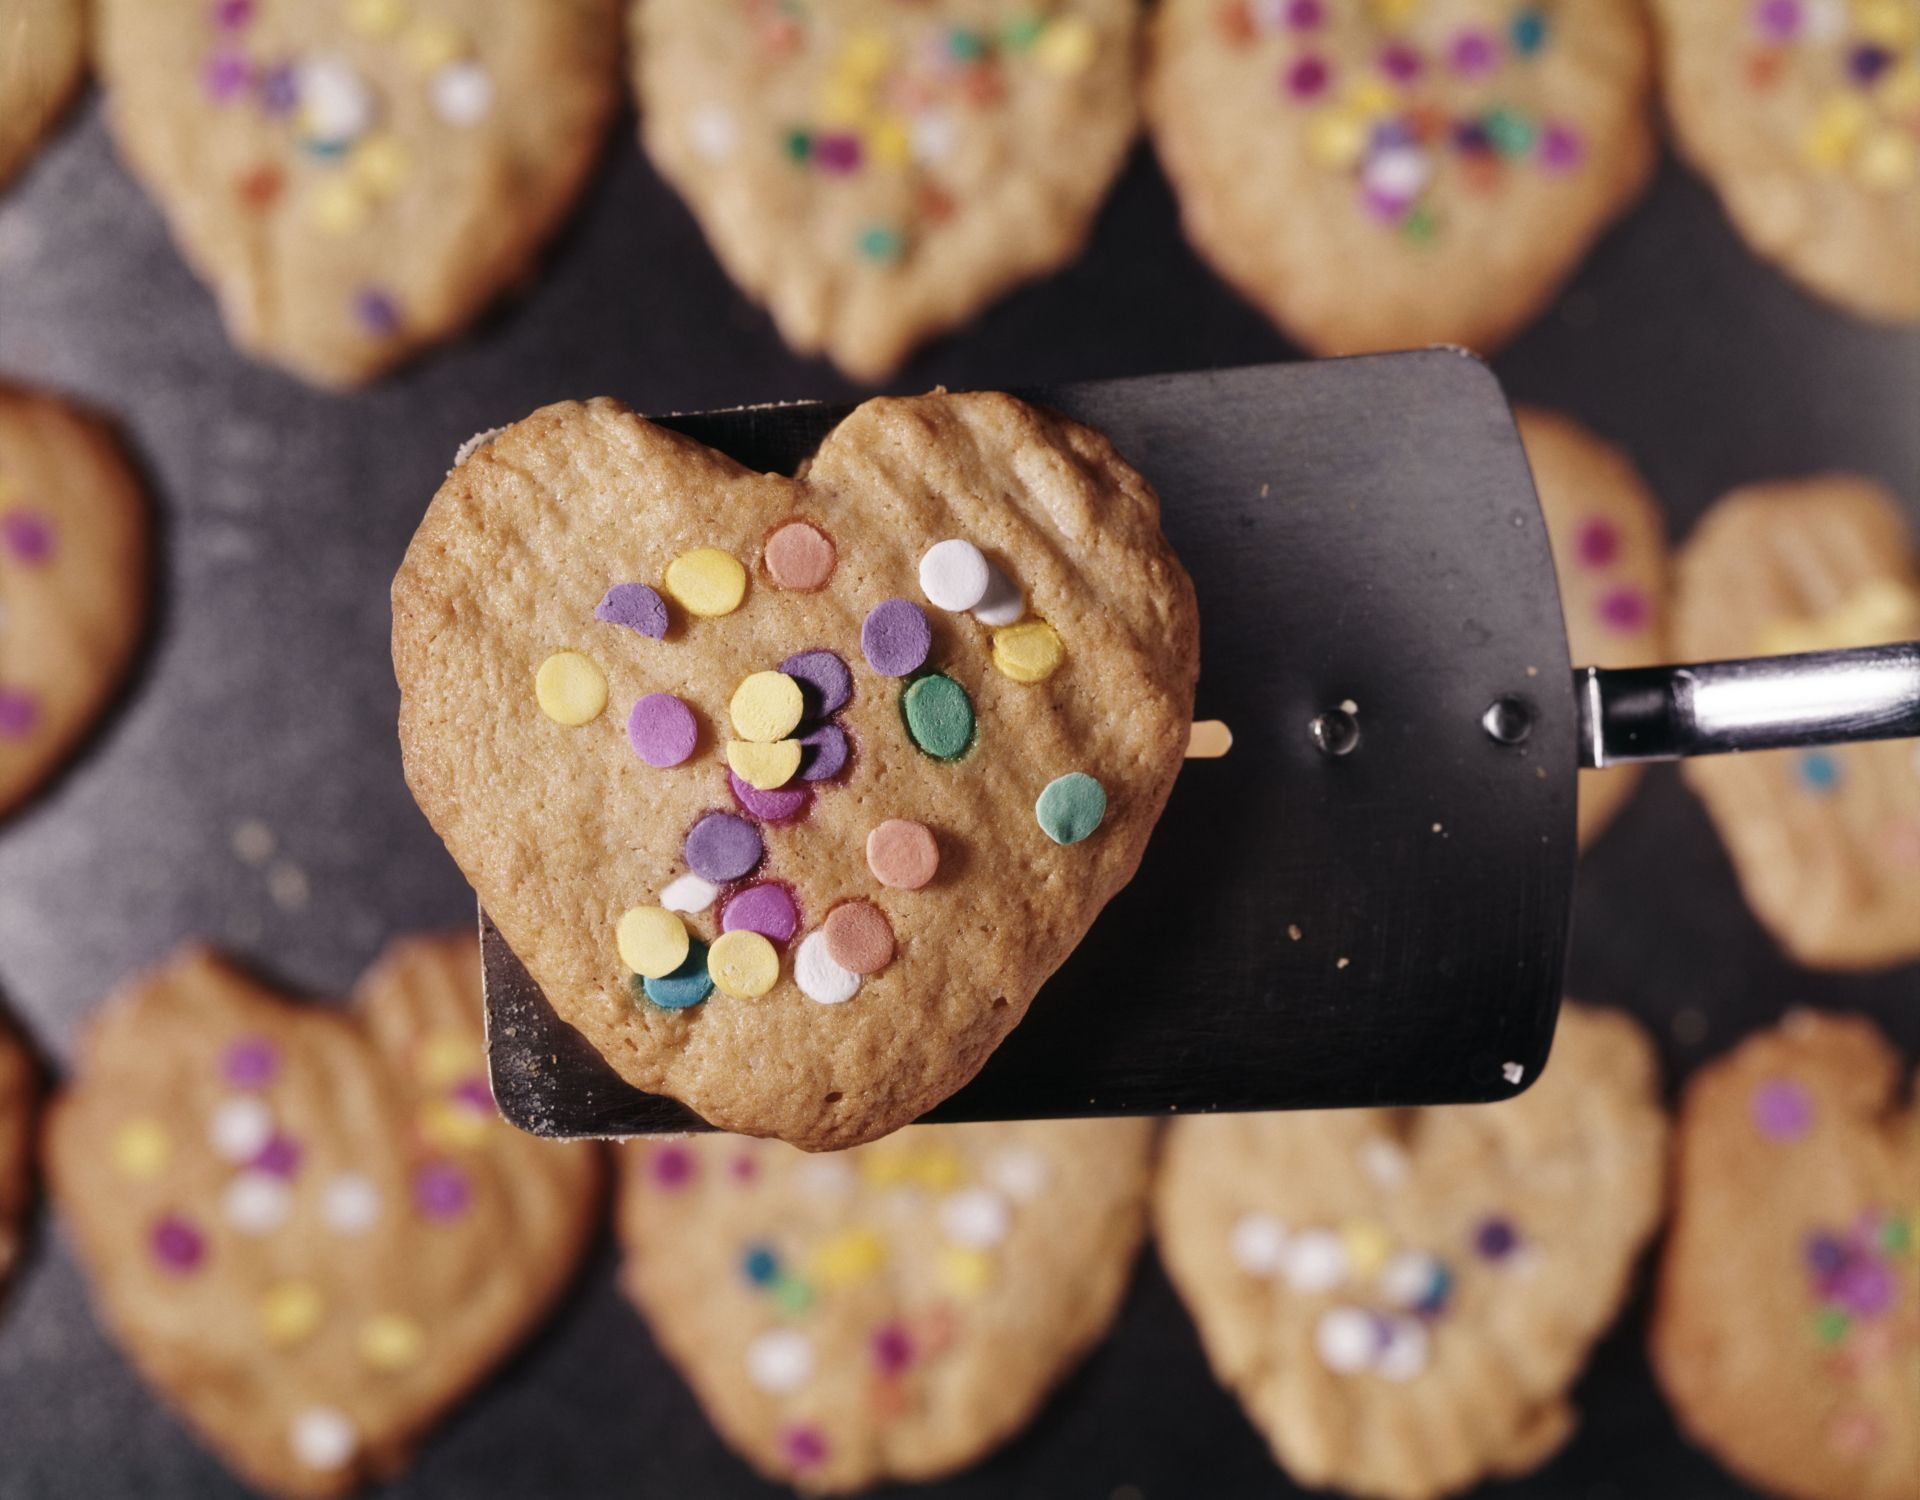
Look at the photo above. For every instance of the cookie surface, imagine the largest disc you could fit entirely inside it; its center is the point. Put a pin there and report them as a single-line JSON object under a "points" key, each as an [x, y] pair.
{"points": [[1805, 116], [42, 55], [894, 1312], [73, 581], [875, 173], [19, 1109], [1394, 173], [589, 630], [1610, 554], [357, 179], [1787, 1328], [310, 1231], [1401, 1299], [1826, 842]]}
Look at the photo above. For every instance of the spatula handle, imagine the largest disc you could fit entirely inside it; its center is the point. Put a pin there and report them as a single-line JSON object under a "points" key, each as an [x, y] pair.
{"points": [[1768, 703]]}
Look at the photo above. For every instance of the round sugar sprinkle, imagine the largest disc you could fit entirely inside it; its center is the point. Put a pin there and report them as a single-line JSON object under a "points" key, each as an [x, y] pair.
{"points": [[799, 556], [1781, 1110], [1405, 1354], [571, 688], [462, 93], [778, 806], [1003, 603], [1027, 653], [256, 1202], [653, 942], [939, 716], [977, 1217], [722, 847], [689, 893], [1345, 1339], [1315, 1261], [707, 581], [743, 964], [954, 575], [177, 1245], [323, 1438], [766, 908], [1071, 807], [780, 1360], [635, 606], [1259, 1244], [686, 986], [896, 638], [350, 1204], [823, 753], [902, 854], [765, 768], [826, 686], [662, 730], [240, 1128], [766, 707], [859, 937], [819, 977]]}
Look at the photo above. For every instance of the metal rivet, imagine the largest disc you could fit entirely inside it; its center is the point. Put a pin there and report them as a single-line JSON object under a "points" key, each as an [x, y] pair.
{"points": [[1335, 732], [1508, 720]]}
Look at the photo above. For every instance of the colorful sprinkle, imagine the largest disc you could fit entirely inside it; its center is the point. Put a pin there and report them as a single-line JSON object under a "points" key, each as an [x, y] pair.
{"points": [[826, 686], [707, 582], [954, 575], [1597, 542], [1071, 807], [377, 312], [256, 1202], [882, 244], [28, 536], [1781, 1110], [1258, 1243], [780, 1361], [389, 1342], [743, 964], [1819, 771], [799, 556], [141, 1149], [350, 1204], [760, 1265], [766, 908], [462, 93], [1346, 1339], [722, 847], [177, 1245], [902, 854], [896, 638], [571, 688], [291, 1313], [653, 942], [671, 1166], [689, 893], [662, 730], [1003, 603], [859, 937], [239, 1128], [976, 1217], [765, 768], [766, 707], [323, 1438], [1028, 653], [1625, 609], [780, 805], [687, 986], [823, 753], [820, 978], [441, 1191], [1315, 1260], [635, 606], [19, 714], [939, 716], [1495, 1238], [804, 1447]]}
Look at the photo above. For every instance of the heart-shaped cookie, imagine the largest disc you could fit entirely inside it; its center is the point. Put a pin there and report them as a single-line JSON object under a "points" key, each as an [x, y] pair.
{"points": [[891, 1313], [357, 179], [1401, 1299], [73, 581], [1787, 1331], [43, 52], [875, 173], [1826, 841], [790, 793], [19, 1108], [311, 1232]]}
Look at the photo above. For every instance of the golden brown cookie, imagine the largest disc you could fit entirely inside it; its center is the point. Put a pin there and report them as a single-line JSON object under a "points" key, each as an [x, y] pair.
{"points": [[667, 714], [73, 581], [310, 1231], [19, 1110], [1826, 842], [1610, 551], [1805, 115], [894, 1312], [875, 173], [1381, 174], [1787, 1331], [1401, 1298], [43, 52], [357, 179]]}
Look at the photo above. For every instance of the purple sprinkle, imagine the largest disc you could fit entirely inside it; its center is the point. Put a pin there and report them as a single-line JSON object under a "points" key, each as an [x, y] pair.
{"points": [[226, 77], [1624, 609], [781, 805], [1781, 1110], [826, 685], [743, 1168], [838, 153], [251, 1063], [671, 1166], [232, 15], [1390, 135], [476, 1094], [662, 730], [823, 753], [1561, 149], [441, 1190], [1389, 208], [1777, 20], [635, 606], [1474, 52], [1305, 15], [1471, 139], [892, 1348], [1825, 1255], [280, 90], [896, 637], [805, 1446], [280, 1157], [1598, 542], [28, 535], [1308, 77], [19, 714], [767, 909], [1400, 62], [721, 847], [177, 1245], [378, 313], [1495, 1239], [1865, 1288], [1867, 62]]}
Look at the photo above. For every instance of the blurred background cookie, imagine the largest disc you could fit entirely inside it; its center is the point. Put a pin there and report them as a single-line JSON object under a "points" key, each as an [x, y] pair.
{"points": [[875, 173], [1400, 1299], [73, 581], [893, 1312], [356, 181], [42, 55], [1382, 174], [1787, 1333], [1827, 841], [19, 1110], [1805, 117]]}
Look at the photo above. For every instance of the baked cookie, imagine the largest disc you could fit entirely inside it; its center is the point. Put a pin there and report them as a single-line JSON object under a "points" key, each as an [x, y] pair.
{"points": [[790, 793], [1401, 1298], [311, 1232], [357, 179], [1380, 174], [895, 1312], [1826, 842], [1787, 1329], [1610, 551], [1805, 115], [876, 173], [73, 581], [19, 1108], [43, 52]]}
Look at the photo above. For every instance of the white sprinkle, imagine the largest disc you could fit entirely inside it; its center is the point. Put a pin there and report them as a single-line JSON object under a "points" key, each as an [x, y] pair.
{"points": [[1385, 1163], [954, 575], [689, 893], [240, 1128], [714, 133], [1019, 1173], [1513, 1073], [1826, 19], [336, 103], [462, 93], [1406, 1353], [975, 1217], [256, 1202], [819, 977], [253, 842], [1346, 1340], [324, 1438], [1409, 1278], [935, 134], [827, 1177], [1398, 174], [350, 1204], [780, 1360], [1315, 1261], [1259, 1244], [1003, 603]]}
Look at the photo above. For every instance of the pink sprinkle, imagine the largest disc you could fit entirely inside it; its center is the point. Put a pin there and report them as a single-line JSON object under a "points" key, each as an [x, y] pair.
{"points": [[1389, 208], [232, 15], [1903, 845], [19, 714], [28, 535], [251, 1063], [226, 77], [441, 1191], [743, 1168], [1561, 149], [1400, 62], [1777, 20], [1854, 1432], [892, 1348], [805, 1447], [1598, 542], [1781, 1110], [838, 153], [177, 1245], [279, 1157], [672, 1166], [1308, 77], [1305, 15], [475, 1093], [1624, 609], [1473, 53]]}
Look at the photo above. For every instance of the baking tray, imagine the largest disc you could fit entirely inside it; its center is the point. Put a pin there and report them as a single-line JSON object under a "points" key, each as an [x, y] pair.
{"points": [[264, 716]]}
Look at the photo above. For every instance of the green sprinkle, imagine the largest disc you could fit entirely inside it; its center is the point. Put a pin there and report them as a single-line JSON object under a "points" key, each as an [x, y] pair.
{"points": [[1420, 226], [799, 145], [1896, 1236], [1511, 132], [1071, 807], [1023, 33], [879, 243], [792, 1296], [1830, 1326], [939, 716]]}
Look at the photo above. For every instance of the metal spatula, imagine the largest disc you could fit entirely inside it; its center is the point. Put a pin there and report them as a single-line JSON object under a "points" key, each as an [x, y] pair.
{"points": [[1367, 900]]}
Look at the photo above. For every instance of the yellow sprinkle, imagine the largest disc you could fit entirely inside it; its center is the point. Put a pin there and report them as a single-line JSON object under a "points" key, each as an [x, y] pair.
{"points": [[381, 165], [964, 1272], [1893, 24], [1367, 1246], [707, 581], [391, 1342], [571, 688], [891, 142], [743, 964], [431, 45], [1835, 131], [452, 1127], [1887, 162], [1336, 139], [1371, 96], [1030, 652], [937, 1170], [883, 1168], [843, 102], [867, 55], [339, 206], [376, 17], [765, 768], [850, 1256], [446, 1057], [1067, 46], [290, 1313], [766, 707], [142, 1149], [1395, 12], [653, 942]]}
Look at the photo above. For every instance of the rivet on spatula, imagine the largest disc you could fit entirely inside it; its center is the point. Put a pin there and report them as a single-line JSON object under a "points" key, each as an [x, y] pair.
{"points": [[1508, 720], [1336, 732]]}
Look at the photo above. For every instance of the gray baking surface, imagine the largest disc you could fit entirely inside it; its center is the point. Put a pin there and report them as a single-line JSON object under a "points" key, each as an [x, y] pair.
{"points": [[267, 698]]}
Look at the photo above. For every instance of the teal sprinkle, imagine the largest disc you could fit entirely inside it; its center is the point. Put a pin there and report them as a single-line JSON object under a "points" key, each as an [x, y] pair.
{"points": [[686, 986], [1071, 807], [1819, 771], [964, 45], [325, 150], [761, 1265], [881, 244], [939, 716], [799, 145], [1511, 132], [1529, 32]]}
